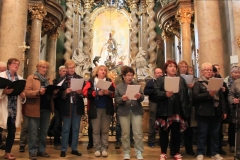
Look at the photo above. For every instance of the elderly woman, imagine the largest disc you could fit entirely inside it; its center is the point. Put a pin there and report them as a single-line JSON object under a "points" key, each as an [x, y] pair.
{"points": [[233, 83], [130, 111], [172, 109], [100, 105], [37, 109], [71, 110], [210, 108], [10, 106]]}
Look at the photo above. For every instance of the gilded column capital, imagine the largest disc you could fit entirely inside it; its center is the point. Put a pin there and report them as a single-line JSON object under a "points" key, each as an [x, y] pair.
{"points": [[184, 14], [238, 42], [150, 1], [88, 4], [133, 4], [38, 11], [166, 36], [53, 35]]}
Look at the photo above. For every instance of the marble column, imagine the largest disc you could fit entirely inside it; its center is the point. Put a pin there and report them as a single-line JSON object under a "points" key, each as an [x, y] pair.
{"points": [[210, 34], [168, 46], [184, 15], [38, 12], [51, 54], [13, 30], [235, 28]]}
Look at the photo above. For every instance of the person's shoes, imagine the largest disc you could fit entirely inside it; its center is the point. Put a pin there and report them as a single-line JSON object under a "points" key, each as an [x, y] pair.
{"points": [[33, 156], [118, 145], [222, 152], [9, 156], [43, 154], [190, 152], [217, 157], [2, 146], [22, 149], [151, 144], [89, 146], [200, 157], [104, 153], [178, 157], [232, 149], [57, 147], [132, 144], [139, 155], [126, 157], [163, 156], [76, 153], [63, 154], [97, 154]]}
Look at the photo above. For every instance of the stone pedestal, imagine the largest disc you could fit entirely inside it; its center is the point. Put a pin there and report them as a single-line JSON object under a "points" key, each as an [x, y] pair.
{"points": [[13, 30], [38, 12]]}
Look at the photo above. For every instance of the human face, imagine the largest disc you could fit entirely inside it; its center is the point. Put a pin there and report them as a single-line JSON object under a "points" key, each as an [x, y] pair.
{"points": [[102, 72], [128, 78], [71, 69], [218, 69], [42, 70], [207, 72], [62, 72], [183, 69], [171, 70], [158, 73], [235, 75], [190, 71], [3, 68], [13, 67]]}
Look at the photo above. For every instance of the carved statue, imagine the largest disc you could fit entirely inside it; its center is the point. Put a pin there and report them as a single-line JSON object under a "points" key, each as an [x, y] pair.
{"points": [[82, 61], [112, 46]]}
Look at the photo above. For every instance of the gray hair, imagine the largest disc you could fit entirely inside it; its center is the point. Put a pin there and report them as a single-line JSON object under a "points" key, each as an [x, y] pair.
{"points": [[61, 67], [3, 64], [205, 64]]}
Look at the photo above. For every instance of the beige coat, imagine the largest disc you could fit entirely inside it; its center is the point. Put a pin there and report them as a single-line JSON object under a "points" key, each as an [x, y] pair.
{"points": [[4, 105]]}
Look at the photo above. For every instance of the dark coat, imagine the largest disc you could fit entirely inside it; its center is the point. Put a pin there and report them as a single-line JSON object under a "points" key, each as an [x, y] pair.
{"points": [[204, 102], [65, 103], [149, 90], [91, 94], [165, 104]]}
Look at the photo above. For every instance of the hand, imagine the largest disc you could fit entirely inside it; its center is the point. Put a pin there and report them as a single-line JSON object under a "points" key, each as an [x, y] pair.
{"points": [[106, 92], [138, 95], [22, 95], [236, 100], [55, 91], [190, 86], [212, 93], [42, 91], [100, 92], [7, 91], [224, 116], [223, 89], [68, 90], [79, 91], [169, 94], [124, 98]]}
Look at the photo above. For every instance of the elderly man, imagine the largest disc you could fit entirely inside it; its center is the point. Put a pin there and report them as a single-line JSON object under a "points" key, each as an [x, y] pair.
{"points": [[3, 67], [149, 90]]}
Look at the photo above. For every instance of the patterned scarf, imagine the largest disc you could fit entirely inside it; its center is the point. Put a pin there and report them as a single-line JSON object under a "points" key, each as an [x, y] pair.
{"points": [[230, 82], [12, 100], [43, 80], [68, 80]]}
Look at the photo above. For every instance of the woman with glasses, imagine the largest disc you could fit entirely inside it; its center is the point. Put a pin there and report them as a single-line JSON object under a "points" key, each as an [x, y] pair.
{"points": [[210, 109], [10, 106], [130, 111], [37, 109]]}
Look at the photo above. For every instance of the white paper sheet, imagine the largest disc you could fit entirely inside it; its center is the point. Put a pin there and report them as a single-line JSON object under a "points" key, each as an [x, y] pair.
{"points": [[171, 84], [188, 78], [101, 84], [60, 83], [215, 84], [132, 90], [76, 84]]}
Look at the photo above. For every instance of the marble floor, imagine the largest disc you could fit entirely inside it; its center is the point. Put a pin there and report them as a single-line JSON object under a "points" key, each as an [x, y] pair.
{"points": [[114, 154]]}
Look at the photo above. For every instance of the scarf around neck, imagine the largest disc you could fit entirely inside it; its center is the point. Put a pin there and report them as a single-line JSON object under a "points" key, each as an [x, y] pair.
{"points": [[43, 80]]}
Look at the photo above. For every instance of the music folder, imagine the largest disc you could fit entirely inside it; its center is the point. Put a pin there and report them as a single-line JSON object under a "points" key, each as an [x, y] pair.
{"points": [[17, 86], [51, 88]]}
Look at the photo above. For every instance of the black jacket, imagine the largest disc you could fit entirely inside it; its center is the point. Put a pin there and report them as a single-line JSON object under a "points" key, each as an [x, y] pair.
{"points": [[204, 102], [165, 105], [149, 90], [65, 103]]}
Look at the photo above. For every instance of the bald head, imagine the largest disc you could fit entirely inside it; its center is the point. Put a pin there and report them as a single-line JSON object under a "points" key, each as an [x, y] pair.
{"points": [[3, 66]]}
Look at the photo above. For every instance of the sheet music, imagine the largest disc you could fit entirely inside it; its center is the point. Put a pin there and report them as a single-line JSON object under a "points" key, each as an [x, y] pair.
{"points": [[171, 84], [188, 78], [101, 84], [60, 83], [215, 84], [132, 90], [76, 84]]}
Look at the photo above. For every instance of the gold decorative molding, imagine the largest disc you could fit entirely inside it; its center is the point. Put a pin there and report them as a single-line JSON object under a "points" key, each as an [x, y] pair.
{"points": [[170, 27], [184, 14], [166, 36], [238, 42], [38, 11], [54, 35], [49, 23], [88, 4], [133, 4]]}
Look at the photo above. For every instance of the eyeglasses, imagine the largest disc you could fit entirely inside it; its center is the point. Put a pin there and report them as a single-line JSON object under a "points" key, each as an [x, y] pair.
{"points": [[43, 67], [129, 75], [16, 63], [208, 70]]}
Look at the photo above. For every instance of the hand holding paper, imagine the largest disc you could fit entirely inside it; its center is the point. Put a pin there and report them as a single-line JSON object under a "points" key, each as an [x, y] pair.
{"points": [[76, 84], [104, 85], [131, 91], [171, 84], [188, 78], [215, 84]]}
